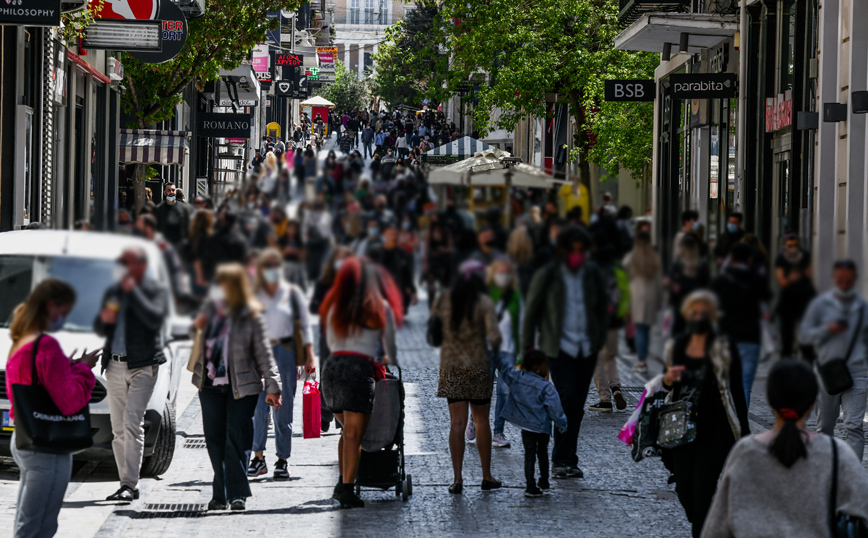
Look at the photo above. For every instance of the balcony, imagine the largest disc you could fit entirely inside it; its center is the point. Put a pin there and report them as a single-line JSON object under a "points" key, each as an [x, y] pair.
{"points": [[631, 10]]}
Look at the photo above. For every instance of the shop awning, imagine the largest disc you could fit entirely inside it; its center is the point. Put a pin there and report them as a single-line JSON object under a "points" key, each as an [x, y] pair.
{"points": [[652, 30], [318, 101], [457, 150], [144, 146]]}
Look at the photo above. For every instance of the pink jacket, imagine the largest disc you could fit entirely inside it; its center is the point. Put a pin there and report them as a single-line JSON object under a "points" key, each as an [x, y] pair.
{"points": [[69, 385]]}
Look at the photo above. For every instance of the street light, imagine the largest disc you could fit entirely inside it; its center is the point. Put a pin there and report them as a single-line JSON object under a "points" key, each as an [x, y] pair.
{"points": [[683, 43], [667, 52]]}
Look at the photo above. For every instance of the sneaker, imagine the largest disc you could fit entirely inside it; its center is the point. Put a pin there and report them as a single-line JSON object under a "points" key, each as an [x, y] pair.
{"points": [[125, 494], [601, 407], [640, 368], [567, 472], [257, 467], [470, 432], [238, 505], [500, 441], [214, 504], [544, 484], [618, 396], [280, 470], [533, 491]]}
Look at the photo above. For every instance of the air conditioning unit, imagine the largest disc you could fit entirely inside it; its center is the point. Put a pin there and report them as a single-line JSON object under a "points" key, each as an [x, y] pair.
{"points": [[191, 8]]}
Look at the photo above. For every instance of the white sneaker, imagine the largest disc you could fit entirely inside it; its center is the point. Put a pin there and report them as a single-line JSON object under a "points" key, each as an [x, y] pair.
{"points": [[470, 432], [500, 441], [640, 368]]}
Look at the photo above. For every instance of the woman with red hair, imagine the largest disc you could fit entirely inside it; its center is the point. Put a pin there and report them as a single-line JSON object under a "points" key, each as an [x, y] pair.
{"points": [[361, 312]]}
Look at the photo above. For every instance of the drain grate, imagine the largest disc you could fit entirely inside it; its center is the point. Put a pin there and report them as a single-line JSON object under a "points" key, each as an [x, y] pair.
{"points": [[171, 510], [194, 443], [637, 390]]}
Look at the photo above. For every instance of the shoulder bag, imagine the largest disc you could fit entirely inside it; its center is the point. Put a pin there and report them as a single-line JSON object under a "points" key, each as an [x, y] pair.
{"points": [[842, 525], [834, 373], [434, 334], [39, 424]]}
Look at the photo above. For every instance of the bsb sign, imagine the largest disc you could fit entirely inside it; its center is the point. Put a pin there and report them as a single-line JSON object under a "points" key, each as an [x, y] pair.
{"points": [[703, 86], [630, 90], [223, 125]]}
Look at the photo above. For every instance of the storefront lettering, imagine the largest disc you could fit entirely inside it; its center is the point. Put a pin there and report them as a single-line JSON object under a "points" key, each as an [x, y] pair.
{"points": [[779, 111], [226, 125]]}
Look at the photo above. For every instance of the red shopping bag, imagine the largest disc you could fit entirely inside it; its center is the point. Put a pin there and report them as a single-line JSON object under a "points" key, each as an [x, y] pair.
{"points": [[311, 410]]}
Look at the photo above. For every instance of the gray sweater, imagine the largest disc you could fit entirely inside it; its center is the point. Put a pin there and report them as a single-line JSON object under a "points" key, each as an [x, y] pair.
{"points": [[759, 497], [822, 311]]}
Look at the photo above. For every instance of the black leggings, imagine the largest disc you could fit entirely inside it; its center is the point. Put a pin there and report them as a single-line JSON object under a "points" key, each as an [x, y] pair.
{"points": [[536, 447]]}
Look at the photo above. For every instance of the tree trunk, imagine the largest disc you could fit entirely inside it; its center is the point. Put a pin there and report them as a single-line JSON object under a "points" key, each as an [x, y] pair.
{"points": [[139, 187]]}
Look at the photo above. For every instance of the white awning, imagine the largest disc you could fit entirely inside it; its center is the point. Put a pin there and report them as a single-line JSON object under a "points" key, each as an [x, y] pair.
{"points": [[652, 30], [318, 101], [144, 146], [457, 150]]}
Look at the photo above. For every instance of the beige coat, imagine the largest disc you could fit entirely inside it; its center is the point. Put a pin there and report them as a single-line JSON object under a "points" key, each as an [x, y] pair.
{"points": [[646, 295], [251, 365]]}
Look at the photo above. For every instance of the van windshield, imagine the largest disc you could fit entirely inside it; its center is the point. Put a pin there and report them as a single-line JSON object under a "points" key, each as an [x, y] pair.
{"points": [[89, 277]]}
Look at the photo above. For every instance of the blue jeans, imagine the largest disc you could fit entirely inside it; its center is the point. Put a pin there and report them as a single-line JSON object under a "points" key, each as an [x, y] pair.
{"points": [[41, 488], [643, 340], [285, 359], [749, 353], [503, 360]]}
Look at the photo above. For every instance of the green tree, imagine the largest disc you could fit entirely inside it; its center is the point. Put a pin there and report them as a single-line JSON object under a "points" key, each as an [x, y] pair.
{"points": [[412, 63], [347, 92], [534, 49], [221, 38]]}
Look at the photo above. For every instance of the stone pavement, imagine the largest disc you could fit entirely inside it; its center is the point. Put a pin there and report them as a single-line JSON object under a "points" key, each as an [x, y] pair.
{"points": [[617, 498]]}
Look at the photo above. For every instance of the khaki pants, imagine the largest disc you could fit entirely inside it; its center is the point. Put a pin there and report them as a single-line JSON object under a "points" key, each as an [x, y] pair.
{"points": [[606, 375], [128, 394]]}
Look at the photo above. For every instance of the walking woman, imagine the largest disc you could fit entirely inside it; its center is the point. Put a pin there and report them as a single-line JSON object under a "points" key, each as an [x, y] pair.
{"points": [[234, 368], [706, 370], [689, 272], [68, 381], [508, 307], [361, 313], [437, 258], [787, 472], [519, 248], [284, 304], [793, 273], [643, 267], [469, 323]]}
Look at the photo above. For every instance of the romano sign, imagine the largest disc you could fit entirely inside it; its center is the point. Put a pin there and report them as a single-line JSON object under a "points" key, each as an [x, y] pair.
{"points": [[223, 125], [703, 86]]}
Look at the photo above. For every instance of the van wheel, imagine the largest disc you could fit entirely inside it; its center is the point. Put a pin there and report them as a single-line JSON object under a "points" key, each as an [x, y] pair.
{"points": [[164, 450]]}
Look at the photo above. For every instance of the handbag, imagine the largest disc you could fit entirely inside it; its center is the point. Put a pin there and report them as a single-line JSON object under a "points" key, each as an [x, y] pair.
{"points": [[675, 425], [196, 352], [434, 334], [311, 406], [842, 525], [39, 424], [297, 330], [834, 373]]}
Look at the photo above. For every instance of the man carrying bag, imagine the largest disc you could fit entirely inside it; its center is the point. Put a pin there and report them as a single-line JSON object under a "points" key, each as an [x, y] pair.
{"points": [[835, 325]]}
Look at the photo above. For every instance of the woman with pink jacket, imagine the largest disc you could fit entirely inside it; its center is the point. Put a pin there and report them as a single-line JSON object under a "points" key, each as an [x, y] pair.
{"points": [[68, 381]]}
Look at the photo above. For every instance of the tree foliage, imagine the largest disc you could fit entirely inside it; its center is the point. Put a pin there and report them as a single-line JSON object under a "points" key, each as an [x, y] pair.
{"points": [[347, 92], [412, 62], [545, 47]]}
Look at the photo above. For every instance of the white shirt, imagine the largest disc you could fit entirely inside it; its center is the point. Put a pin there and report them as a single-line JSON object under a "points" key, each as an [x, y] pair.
{"points": [[280, 315]]}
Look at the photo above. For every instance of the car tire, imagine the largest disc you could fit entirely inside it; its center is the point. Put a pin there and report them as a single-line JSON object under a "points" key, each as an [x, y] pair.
{"points": [[164, 450]]}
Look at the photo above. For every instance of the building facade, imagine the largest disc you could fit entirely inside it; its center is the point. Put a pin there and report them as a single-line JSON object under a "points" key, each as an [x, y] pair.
{"points": [[360, 27]]}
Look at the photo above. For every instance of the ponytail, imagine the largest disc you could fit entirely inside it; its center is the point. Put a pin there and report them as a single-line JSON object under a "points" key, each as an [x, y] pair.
{"points": [[792, 390]]}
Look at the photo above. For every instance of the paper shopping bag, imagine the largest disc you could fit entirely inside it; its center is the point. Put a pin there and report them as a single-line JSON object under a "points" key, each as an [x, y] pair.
{"points": [[311, 410]]}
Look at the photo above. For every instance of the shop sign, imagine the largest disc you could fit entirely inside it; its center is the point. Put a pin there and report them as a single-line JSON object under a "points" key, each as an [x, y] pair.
{"points": [[140, 10], [326, 54], [260, 58], [174, 35], [779, 111], [630, 90], [30, 13], [703, 86], [223, 125], [290, 60]]}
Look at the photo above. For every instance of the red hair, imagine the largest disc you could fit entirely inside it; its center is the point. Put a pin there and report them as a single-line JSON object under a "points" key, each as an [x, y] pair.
{"points": [[357, 298]]}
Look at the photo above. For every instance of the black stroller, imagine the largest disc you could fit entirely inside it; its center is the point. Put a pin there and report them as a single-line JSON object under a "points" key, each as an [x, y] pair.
{"points": [[382, 463]]}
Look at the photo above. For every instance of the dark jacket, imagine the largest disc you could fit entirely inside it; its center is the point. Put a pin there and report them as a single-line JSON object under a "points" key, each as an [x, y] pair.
{"points": [[544, 309], [225, 245], [740, 292], [147, 308], [173, 221]]}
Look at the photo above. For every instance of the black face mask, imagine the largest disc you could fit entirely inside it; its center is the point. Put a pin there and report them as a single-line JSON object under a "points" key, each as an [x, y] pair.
{"points": [[699, 326]]}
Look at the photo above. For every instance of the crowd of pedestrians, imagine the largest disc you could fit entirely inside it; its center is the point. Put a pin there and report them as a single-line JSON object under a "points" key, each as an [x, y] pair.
{"points": [[532, 312]]}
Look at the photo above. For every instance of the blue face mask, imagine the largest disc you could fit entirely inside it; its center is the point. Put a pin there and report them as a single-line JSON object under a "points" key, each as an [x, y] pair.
{"points": [[696, 224], [373, 232], [56, 325], [731, 228], [170, 198]]}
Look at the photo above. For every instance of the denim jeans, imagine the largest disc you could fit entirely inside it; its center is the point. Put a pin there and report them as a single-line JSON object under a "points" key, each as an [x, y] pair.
{"points": [[285, 359], [749, 353], [643, 340], [503, 360], [228, 425], [41, 488], [572, 378], [852, 402], [536, 448]]}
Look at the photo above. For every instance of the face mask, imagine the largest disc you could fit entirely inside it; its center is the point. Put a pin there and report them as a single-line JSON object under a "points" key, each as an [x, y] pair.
{"points": [[216, 294], [502, 280], [793, 249], [405, 225], [373, 232], [170, 198], [553, 241], [338, 264], [118, 272], [845, 294], [56, 325], [695, 226], [272, 276], [574, 260], [251, 205], [490, 243], [699, 326], [731, 228], [595, 218], [318, 207]]}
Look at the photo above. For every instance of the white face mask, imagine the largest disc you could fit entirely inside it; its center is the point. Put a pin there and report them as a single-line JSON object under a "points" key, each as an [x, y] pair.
{"points": [[502, 280], [216, 294], [338, 264], [118, 272], [272, 276]]}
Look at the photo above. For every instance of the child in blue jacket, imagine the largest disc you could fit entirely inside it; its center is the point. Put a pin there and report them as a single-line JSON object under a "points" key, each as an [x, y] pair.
{"points": [[533, 404]]}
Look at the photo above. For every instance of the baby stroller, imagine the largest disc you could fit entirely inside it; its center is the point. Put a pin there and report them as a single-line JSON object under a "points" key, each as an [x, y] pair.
{"points": [[382, 464]]}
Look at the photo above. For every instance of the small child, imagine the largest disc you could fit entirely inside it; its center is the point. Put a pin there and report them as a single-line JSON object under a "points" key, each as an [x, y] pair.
{"points": [[533, 404]]}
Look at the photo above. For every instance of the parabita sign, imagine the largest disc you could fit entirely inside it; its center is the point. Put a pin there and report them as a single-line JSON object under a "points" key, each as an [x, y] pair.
{"points": [[223, 125]]}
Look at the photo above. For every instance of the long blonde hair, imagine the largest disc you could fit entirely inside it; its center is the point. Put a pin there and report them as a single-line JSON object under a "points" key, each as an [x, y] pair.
{"points": [[519, 247], [237, 286], [31, 316], [644, 260]]}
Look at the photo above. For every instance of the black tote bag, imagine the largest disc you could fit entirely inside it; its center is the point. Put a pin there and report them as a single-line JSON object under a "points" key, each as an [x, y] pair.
{"points": [[39, 424]]}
